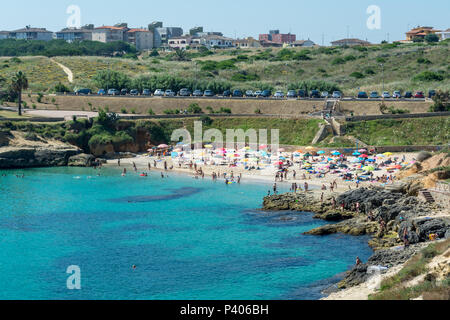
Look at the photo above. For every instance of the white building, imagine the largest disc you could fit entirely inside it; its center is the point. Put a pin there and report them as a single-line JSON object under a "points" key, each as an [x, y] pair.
{"points": [[303, 43], [443, 35], [213, 41]]}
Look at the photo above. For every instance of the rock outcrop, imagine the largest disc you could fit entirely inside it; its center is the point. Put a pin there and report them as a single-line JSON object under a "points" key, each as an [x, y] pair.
{"points": [[81, 160], [28, 157]]}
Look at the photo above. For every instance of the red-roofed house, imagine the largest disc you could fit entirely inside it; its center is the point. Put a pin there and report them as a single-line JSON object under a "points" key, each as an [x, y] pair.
{"points": [[109, 34], [419, 33]]}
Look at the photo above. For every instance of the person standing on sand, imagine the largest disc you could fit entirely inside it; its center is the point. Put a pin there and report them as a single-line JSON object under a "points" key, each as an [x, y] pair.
{"points": [[149, 167], [274, 188], [118, 162], [294, 174], [321, 198], [306, 186]]}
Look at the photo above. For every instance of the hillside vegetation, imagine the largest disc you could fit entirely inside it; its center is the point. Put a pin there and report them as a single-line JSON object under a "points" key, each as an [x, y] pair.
{"points": [[405, 67]]}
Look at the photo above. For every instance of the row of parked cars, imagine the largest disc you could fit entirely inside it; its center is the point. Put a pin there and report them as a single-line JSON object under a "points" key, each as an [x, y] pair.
{"points": [[395, 95], [314, 94]]}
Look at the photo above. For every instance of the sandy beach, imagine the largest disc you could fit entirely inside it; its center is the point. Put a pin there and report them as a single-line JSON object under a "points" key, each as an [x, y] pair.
{"points": [[268, 172]]}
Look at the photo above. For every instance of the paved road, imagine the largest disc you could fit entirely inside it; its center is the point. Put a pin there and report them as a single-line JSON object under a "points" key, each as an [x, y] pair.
{"points": [[240, 98]]}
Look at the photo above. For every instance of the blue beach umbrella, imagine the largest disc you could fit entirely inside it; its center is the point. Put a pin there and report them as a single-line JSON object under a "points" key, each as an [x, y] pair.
{"points": [[336, 153], [356, 154], [321, 152]]}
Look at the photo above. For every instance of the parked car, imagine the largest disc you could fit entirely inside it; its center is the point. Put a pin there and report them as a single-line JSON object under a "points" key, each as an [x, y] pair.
{"points": [[419, 95], [279, 94], [337, 95], [83, 91], [197, 93], [363, 95], [134, 92], [249, 93], [146, 92], [169, 93], [101, 92], [237, 93], [184, 93], [408, 94], [226, 93], [431, 93], [397, 95], [324, 95], [158, 93], [257, 94], [123, 92], [291, 94], [302, 94], [386, 95], [266, 94], [315, 94], [209, 93], [113, 92], [374, 95]]}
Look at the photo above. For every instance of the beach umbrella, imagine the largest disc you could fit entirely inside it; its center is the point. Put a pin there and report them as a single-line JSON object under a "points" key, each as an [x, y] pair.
{"points": [[321, 152], [299, 151], [371, 160], [163, 146], [179, 143], [369, 168], [208, 146], [310, 148], [364, 156], [174, 154], [388, 154], [281, 150], [282, 158], [398, 166], [356, 154], [307, 155], [362, 150], [263, 146], [380, 155], [336, 153]]}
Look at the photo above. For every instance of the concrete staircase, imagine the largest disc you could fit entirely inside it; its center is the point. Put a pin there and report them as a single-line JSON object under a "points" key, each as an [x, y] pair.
{"points": [[427, 195]]}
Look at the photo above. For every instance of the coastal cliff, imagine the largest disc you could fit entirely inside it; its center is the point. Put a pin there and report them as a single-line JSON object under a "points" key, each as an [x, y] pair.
{"points": [[19, 150], [393, 214]]}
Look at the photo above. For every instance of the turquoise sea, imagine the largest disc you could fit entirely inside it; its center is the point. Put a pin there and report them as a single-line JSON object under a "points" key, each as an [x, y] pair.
{"points": [[189, 239]]}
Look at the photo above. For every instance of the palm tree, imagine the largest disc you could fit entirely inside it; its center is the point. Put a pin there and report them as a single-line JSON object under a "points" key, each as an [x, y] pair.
{"points": [[19, 82]]}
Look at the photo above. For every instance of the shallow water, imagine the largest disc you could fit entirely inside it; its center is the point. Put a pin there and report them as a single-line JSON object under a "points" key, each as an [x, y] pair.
{"points": [[190, 239]]}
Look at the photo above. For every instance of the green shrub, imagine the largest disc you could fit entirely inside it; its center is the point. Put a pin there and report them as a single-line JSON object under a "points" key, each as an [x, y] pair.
{"points": [[151, 112], [337, 61], [427, 76], [357, 75], [194, 108]]}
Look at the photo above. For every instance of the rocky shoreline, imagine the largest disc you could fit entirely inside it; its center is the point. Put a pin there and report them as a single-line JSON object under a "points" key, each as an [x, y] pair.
{"points": [[391, 211]]}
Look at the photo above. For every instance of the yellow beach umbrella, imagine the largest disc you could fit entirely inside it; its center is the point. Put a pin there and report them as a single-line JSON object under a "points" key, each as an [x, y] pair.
{"points": [[388, 154]]}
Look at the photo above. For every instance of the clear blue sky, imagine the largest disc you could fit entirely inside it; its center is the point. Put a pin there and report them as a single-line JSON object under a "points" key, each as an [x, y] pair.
{"points": [[308, 19]]}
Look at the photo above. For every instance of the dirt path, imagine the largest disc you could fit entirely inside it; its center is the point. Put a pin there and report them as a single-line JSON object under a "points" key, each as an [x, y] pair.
{"points": [[66, 70]]}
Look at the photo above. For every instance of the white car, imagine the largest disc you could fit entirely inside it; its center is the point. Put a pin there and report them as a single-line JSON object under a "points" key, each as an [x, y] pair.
{"points": [[279, 94], [169, 93], [159, 93], [257, 93]]}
